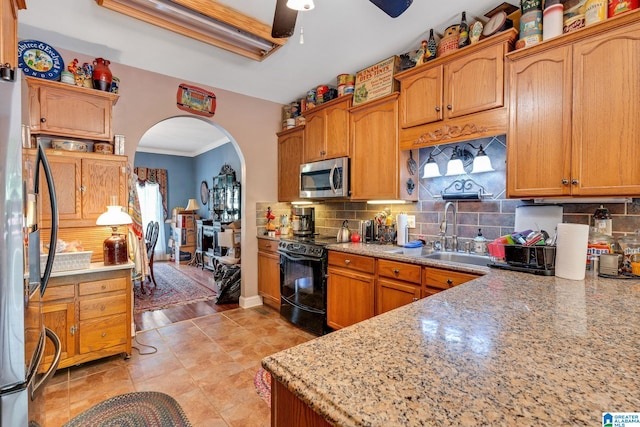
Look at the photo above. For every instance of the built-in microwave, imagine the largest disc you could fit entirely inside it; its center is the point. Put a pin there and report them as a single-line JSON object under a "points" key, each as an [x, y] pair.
{"points": [[325, 179]]}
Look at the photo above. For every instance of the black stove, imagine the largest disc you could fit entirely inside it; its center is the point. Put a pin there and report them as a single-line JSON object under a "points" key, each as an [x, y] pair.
{"points": [[312, 246]]}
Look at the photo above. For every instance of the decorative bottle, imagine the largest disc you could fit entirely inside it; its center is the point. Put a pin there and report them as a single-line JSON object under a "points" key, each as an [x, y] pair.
{"points": [[432, 47], [463, 38], [102, 76]]}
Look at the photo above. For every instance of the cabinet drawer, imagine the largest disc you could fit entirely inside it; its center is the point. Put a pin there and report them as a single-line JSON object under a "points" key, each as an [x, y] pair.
{"points": [[103, 333], [59, 292], [445, 279], [399, 270], [266, 245], [361, 263], [101, 286], [99, 307]]}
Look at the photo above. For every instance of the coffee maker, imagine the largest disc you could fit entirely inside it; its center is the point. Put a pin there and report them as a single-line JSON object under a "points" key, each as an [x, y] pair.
{"points": [[305, 225]]}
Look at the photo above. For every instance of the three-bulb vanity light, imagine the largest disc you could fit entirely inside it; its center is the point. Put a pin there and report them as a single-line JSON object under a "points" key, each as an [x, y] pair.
{"points": [[455, 166]]}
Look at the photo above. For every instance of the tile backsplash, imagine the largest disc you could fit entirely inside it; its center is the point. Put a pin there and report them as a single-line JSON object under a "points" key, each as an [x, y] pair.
{"points": [[494, 213]]}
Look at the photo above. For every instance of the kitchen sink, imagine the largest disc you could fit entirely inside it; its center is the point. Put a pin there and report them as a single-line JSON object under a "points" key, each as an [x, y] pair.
{"points": [[461, 257]]}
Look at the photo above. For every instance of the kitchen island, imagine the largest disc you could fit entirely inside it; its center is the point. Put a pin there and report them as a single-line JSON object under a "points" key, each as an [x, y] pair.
{"points": [[504, 349]]}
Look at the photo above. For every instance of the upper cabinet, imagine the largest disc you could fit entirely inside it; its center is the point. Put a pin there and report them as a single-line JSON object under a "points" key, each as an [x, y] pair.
{"points": [[60, 109], [9, 33], [459, 96], [574, 107], [326, 133], [290, 147]]}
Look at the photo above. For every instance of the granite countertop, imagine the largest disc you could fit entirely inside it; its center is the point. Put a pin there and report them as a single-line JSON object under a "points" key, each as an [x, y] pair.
{"points": [[507, 348]]}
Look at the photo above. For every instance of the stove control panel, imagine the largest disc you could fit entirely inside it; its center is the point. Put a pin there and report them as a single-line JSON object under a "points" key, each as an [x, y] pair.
{"points": [[307, 249]]}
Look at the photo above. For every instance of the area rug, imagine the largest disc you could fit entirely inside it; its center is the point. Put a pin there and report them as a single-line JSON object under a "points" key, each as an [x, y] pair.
{"points": [[174, 288], [140, 409], [262, 381]]}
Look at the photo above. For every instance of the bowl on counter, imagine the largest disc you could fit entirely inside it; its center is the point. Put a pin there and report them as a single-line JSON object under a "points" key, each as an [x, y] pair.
{"points": [[63, 144]]}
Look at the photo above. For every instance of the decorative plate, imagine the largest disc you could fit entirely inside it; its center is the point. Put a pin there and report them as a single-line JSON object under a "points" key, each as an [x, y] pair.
{"points": [[204, 192], [38, 59]]}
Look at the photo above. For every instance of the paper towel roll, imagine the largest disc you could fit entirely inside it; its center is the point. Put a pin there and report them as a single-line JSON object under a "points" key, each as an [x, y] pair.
{"points": [[571, 251], [403, 231]]}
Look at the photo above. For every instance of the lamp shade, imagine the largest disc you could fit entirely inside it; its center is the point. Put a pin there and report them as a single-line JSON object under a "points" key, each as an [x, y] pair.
{"points": [[482, 164], [114, 216], [192, 205], [431, 170], [455, 167], [300, 4]]}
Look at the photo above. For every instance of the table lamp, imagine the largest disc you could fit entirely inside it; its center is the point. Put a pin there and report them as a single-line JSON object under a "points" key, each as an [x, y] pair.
{"points": [[192, 206], [114, 248]]}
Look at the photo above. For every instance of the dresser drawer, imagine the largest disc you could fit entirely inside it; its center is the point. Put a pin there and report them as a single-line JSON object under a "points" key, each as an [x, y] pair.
{"points": [[99, 307], [103, 333], [267, 245], [400, 271], [101, 286], [59, 292], [445, 279], [353, 262]]}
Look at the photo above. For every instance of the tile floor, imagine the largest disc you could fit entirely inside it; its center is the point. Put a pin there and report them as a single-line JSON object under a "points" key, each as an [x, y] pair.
{"points": [[206, 363]]}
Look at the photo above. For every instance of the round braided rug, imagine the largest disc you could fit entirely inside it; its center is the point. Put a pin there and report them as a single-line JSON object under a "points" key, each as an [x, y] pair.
{"points": [[140, 409], [262, 381]]}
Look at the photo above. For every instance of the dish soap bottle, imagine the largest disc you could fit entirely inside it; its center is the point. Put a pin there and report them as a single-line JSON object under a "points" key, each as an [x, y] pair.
{"points": [[480, 243]]}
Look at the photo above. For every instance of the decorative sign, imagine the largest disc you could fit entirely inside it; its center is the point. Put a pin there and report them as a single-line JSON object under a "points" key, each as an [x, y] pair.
{"points": [[196, 100], [376, 81], [38, 59]]}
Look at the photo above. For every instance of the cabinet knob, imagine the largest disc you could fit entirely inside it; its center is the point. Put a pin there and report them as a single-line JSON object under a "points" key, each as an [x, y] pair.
{"points": [[83, 188], [449, 107], [103, 287], [43, 119], [438, 109], [449, 282], [347, 261], [102, 307], [396, 271], [72, 330], [415, 299], [104, 334], [565, 181], [267, 245], [574, 182]]}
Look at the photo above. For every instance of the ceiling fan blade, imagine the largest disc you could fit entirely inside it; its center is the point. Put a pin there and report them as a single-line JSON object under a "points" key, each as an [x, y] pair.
{"points": [[284, 20], [393, 8]]}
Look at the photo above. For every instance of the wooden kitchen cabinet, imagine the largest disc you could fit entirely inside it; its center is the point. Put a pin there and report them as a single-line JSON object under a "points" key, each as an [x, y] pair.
{"points": [[398, 284], [9, 33], [435, 280], [457, 97], [290, 151], [59, 109], [573, 128], [350, 289], [326, 132], [84, 185], [269, 272], [91, 314], [378, 168]]}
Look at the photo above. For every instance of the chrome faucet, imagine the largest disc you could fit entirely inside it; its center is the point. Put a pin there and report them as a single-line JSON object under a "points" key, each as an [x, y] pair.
{"points": [[443, 228]]}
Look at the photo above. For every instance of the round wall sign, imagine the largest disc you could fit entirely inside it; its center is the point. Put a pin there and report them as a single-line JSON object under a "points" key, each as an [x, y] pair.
{"points": [[38, 59], [204, 192]]}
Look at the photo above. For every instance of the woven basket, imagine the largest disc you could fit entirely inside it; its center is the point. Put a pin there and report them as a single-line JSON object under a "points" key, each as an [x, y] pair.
{"points": [[65, 261]]}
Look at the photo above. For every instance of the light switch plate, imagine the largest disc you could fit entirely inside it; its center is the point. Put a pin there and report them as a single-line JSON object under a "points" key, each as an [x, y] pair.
{"points": [[411, 221]]}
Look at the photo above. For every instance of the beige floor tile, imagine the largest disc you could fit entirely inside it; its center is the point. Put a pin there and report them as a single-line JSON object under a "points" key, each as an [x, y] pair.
{"points": [[253, 412], [153, 365], [199, 409], [90, 390], [238, 389], [173, 383]]}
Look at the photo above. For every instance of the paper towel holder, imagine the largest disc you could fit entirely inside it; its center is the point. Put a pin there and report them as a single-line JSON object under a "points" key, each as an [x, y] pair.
{"points": [[463, 189]]}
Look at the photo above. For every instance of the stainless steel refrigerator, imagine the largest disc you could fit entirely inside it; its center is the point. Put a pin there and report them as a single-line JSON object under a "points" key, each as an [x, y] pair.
{"points": [[23, 336]]}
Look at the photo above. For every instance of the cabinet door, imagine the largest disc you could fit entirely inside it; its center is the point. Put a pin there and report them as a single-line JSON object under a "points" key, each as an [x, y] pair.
{"points": [[290, 148], [606, 112], [67, 173], [438, 278], [269, 277], [103, 332], [337, 132], [475, 82], [421, 98], [350, 298], [392, 294], [59, 316], [74, 114], [539, 135], [101, 179], [9, 33], [374, 160], [314, 137]]}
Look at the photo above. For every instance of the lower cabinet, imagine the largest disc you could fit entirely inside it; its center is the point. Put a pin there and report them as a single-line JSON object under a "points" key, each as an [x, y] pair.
{"points": [[350, 289], [269, 272], [437, 279], [398, 284], [91, 314]]}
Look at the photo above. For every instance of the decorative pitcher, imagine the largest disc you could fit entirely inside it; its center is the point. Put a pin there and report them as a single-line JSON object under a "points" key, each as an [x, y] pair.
{"points": [[102, 76]]}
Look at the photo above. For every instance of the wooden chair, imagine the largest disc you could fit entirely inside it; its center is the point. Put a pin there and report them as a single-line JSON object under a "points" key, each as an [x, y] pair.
{"points": [[150, 238]]}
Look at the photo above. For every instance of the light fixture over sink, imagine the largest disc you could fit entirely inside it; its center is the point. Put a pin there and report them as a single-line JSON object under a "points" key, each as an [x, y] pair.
{"points": [[459, 158]]}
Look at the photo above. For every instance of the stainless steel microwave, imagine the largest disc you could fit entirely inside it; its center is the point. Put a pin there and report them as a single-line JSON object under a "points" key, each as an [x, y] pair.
{"points": [[325, 179]]}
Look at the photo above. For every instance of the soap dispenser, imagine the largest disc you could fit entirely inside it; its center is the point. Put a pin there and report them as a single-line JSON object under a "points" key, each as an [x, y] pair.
{"points": [[480, 243]]}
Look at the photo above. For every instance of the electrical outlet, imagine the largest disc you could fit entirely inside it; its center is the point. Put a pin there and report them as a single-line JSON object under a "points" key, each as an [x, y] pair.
{"points": [[411, 221]]}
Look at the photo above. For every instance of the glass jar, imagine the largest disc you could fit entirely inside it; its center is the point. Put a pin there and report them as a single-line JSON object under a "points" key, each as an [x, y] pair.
{"points": [[629, 246]]}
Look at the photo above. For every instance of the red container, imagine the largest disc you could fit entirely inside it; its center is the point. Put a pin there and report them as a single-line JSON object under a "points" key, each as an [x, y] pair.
{"points": [[616, 7], [102, 76]]}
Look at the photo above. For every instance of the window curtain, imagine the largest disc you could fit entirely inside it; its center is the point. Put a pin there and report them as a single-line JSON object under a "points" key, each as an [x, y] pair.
{"points": [[151, 210], [156, 176]]}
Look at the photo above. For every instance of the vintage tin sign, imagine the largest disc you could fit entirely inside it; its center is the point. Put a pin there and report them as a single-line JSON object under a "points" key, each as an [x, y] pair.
{"points": [[196, 100], [376, 81]]}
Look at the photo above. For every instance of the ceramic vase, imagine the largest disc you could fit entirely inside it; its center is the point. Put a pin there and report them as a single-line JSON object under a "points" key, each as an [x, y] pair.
{"points": [[102, 76]]}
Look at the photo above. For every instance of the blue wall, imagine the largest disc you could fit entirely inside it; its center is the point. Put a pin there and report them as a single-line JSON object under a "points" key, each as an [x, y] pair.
{"points": [[208, 165]]}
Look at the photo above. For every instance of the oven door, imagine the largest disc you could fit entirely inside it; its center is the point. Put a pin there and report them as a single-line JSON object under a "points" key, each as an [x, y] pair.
{"points": [[303, 282]]}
